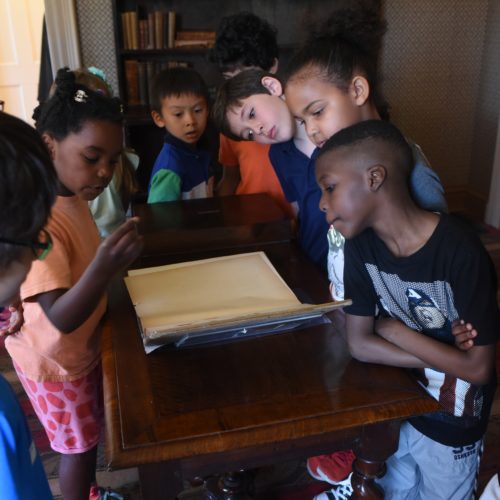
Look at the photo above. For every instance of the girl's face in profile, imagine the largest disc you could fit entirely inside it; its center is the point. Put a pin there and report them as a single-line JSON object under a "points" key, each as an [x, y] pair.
{"points": [[85, 160], [321, 106]]}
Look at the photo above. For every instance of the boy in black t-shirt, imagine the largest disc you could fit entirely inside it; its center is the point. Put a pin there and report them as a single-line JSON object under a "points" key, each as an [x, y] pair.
{"points": [[410, 274]]}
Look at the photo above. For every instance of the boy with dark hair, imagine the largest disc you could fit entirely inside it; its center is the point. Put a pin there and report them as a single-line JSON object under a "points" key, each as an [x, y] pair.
{"points": [[410, 274], [27, 192], [179, 103], [250, 107], [243, 42]]}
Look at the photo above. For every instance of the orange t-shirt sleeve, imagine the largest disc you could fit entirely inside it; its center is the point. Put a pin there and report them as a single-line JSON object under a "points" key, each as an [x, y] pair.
{"points": [[52, 273], [227, 154]]}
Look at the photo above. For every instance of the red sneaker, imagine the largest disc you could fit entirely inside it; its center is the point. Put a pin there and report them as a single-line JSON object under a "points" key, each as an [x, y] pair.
{"points": [[98, 493], [333, 468]]}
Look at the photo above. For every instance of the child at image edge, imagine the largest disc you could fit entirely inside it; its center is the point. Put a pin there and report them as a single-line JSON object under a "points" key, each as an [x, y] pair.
{"points": [[179, 103], [28, 189], [56, 353], [410, 274]]}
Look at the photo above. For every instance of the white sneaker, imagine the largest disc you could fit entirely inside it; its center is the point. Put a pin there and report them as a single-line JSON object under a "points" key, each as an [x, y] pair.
{"points": [[341, 491]]}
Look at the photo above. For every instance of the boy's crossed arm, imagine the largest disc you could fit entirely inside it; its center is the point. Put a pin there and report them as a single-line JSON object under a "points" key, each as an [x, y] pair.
{"points": [[389, 341]]}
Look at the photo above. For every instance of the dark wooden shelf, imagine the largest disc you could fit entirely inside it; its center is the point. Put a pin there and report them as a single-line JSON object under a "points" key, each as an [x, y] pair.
{"points": [[137, 115], [179, 51]]}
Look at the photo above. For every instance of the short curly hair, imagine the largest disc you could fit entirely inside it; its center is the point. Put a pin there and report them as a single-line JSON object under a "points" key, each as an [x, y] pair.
{"points": [[244, 40]]}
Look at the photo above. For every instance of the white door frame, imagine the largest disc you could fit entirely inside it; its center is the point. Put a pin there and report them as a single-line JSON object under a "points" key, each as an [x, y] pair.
{"points": [[62, 34]]}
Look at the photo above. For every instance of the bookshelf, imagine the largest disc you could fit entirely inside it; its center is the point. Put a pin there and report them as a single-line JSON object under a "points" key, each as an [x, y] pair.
{"points": [[151, 35], [142, 47]]}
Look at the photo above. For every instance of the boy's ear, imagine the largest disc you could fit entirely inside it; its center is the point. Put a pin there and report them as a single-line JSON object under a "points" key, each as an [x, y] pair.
{"points": [[157, 119], [360, 90], [50, 144], [272, 85], [375, 176]]}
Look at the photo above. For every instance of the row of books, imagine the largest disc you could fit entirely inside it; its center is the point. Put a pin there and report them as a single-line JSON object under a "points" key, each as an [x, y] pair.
{"points": [[158, 31], [139, 77], [155, 32]]}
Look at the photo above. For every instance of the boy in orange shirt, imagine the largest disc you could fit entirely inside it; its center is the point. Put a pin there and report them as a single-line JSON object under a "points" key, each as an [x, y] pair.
{"points": [[245, 41]]}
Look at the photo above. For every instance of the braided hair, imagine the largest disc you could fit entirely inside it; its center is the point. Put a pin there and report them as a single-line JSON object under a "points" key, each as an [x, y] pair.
{"points": [[72, 105]]}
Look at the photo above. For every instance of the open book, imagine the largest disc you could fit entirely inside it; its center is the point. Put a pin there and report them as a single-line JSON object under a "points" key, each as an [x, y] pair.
{"points": [[179, 301]]}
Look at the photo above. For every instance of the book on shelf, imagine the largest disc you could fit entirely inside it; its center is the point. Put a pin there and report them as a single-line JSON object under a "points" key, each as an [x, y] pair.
{"points": [[125, 31], [171, 16], [234, 293], [151, 30], [195, 35], [193, 44], [194, 39], [139, 76], [143, 34], [142, 82], [132, 82], [134, 29], [159, 19], [130, 30]]}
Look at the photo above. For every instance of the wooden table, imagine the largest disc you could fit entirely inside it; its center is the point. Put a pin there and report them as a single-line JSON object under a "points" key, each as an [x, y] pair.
{"points": [[185, 413]]}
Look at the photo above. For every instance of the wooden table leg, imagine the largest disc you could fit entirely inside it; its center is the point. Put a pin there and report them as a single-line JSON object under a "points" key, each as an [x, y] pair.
{"points": [[373, 447], [160, 481]]}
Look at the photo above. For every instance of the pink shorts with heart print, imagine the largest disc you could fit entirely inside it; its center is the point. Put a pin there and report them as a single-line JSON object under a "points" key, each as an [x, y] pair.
{"points": [[70, 412]]}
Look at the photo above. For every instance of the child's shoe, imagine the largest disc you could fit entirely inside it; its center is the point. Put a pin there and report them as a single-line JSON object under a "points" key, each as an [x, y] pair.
{"points": [[332, 468], [99, 493], [341, 491]]}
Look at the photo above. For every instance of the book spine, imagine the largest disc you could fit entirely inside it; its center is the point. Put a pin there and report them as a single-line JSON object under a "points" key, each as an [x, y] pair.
{"points": [[165, 30], [158, 14], [131, 79], [142, 83], [150, 74], [171, 29], [134, 27], [143, 33], [130, 31], [125, 39], [193, 44], [195, 35], [151, 30]]}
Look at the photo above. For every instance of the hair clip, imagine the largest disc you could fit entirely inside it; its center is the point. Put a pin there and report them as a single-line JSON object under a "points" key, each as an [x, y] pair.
{"points": [[81, 96]]}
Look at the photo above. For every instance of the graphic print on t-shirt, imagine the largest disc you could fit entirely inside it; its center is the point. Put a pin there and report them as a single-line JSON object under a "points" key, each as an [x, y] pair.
{"points": [[425, 307], [428, 316], [428, 308]]}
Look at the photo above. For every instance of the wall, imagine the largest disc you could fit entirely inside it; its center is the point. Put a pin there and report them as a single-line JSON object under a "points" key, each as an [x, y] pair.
{"points": [[440, 64], [485, 145], [97, 37]]}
